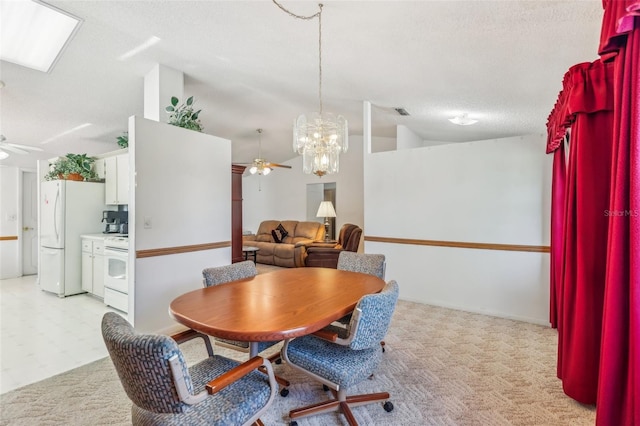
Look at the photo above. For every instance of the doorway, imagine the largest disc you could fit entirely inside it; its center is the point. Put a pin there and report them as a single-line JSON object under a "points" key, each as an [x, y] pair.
{"points": [[29, 228], [316, 193]]}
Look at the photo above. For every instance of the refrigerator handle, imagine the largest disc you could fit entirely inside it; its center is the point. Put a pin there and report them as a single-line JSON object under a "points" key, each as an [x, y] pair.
{"points": [[55, 214]]}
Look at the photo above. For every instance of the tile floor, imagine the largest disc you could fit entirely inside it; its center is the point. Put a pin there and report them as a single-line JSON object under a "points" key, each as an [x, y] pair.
{"points": [[42, 335]]}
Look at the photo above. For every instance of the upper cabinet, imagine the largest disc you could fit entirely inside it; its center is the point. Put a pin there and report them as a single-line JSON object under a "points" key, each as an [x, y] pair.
{"points": [[116, 178]]}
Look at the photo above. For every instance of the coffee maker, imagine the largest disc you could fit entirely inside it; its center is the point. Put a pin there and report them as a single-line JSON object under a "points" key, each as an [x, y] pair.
{"points": [[115, 221]]}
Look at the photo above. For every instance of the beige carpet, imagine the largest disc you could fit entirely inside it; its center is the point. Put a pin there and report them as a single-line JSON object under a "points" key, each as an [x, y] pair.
{"points": [[442, 367]]}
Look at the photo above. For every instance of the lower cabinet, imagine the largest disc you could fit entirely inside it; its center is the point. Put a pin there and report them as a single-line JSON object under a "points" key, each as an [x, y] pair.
{"points": [[93, 266]]}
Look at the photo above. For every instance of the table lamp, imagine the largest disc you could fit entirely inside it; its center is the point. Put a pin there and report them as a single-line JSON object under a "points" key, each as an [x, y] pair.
{"points": [[326, 210]]}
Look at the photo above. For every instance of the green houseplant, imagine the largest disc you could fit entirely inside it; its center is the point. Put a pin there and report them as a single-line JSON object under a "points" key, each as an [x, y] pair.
{"points": [[72, 167], [184, 115], [123, 140]]}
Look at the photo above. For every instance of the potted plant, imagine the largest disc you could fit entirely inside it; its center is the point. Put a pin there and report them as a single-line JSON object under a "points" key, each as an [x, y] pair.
{"points": [[184, 115], [123, 140], [72, 167]]}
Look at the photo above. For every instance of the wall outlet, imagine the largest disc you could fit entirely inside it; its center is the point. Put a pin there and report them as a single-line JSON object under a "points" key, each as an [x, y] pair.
{"points": [[147, 222]]}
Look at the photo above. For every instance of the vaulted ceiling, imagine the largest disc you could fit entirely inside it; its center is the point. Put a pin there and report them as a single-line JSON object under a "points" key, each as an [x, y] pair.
{"points": [[250, 65]]}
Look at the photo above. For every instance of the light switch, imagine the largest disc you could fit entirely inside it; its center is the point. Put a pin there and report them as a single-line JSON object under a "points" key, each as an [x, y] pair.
{"points": [[147, 222]]}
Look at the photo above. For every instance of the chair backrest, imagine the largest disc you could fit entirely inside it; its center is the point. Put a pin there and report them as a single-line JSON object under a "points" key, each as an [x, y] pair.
{"points": [[349, 237], [227, 273], [142, 363], [372, 264], [372, 316]]}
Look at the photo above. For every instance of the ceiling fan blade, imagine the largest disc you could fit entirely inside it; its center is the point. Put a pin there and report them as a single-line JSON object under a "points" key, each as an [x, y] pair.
{"points": [[284, 166], [27, 147], [7, 147]]}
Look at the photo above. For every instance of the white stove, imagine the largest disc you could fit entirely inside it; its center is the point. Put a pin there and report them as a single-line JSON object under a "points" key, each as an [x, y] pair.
{"points": [[116, 269], [117, 242]]}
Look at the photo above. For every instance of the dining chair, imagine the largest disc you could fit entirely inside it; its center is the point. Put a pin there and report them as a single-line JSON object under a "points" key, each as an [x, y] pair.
{"points": [[237, 271], [165, 391], [341, 366], [365, 263]]}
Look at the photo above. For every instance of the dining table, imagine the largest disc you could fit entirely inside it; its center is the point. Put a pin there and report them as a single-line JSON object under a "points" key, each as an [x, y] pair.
{"points": [[272, 306]]}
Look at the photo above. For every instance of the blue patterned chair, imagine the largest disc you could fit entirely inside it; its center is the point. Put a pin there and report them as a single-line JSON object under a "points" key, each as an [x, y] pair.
{"points": [[237, 271], [340, 366], [165, 391], [365, 263]]}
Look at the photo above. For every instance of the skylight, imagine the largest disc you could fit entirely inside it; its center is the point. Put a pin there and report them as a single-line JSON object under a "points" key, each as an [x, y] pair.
{"points": [[34, 34]]}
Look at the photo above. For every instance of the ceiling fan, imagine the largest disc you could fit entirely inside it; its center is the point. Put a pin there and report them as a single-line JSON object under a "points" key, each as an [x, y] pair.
{"points": [[6, 148], [260, 165]]}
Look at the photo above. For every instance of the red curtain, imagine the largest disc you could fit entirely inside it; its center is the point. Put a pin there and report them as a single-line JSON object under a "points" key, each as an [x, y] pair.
{"points": [[557, 218], [618, 401], [595, 264], [578, 224]]}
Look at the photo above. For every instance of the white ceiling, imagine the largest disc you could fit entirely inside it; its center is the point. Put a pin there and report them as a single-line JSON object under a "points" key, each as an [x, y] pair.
{"points": [[250, 65]]}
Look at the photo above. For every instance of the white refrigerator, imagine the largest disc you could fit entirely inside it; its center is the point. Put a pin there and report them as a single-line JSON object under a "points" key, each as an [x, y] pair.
{"points": [[68, 209]]}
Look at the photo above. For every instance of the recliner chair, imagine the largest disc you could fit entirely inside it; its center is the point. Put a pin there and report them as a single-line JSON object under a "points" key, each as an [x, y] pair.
{"points": [[325, 255]]}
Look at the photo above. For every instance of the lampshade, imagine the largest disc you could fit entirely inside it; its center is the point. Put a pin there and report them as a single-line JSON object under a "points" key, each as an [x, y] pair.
{"points": [[326, 210]]}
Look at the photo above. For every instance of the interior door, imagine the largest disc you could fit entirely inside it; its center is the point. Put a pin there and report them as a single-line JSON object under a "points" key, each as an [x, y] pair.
{"points": [[29, 223]]}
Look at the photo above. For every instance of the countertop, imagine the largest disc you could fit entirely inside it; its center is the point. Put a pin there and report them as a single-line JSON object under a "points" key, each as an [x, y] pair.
{"points": [[101, 236]]}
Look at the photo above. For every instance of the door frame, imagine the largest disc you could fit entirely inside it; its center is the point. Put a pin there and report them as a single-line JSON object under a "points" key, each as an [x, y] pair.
{"points": [[21, 220]]}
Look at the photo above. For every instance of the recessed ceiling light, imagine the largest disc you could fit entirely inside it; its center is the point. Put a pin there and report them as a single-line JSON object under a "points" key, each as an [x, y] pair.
{"points": [[462, 120], [34, 34]]}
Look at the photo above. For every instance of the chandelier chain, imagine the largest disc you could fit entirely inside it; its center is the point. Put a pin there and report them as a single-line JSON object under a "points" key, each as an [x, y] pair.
{"points": [[307, 18]]}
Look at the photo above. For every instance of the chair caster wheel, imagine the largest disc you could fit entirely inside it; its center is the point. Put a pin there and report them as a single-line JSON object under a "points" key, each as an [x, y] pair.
{"points": [[383, 350], [279, 361], [388, 406], [325, 388], [294, 423], [284, 392]]}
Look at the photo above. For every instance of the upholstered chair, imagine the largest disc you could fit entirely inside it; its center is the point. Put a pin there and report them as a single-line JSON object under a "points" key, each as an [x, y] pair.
{"points": [[237, 271], [326, 255], [341, 366], [165, 391]]}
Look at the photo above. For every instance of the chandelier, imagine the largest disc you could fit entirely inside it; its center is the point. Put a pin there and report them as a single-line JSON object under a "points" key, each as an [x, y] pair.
{"points": [[320, 136]]}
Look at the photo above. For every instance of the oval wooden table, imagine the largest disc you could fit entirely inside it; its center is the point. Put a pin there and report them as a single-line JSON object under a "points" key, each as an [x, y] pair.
{"points": [[275, 305]]}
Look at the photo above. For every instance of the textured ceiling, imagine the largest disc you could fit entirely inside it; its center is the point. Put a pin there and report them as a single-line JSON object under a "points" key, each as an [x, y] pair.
{"points": [[250, 65]]}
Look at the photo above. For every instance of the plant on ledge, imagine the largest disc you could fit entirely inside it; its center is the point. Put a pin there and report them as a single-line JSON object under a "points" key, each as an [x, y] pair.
{"points": [[72, 167], [184, 115], [123, 140]]}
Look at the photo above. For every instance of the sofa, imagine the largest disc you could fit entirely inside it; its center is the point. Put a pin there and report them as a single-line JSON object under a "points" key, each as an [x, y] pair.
{"points": [[325, 255], [292, 250]]}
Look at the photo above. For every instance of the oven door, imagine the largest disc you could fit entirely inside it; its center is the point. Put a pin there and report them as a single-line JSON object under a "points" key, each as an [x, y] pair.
{"points": [[116, 270]]}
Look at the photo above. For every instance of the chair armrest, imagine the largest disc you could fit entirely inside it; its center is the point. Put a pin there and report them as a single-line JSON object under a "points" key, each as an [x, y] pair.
{"points": [[187, 335], [326, 335], [236, 373], [316, 244]]}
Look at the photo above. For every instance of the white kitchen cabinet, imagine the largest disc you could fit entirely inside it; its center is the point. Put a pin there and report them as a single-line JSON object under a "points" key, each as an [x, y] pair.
{"points": [[116, 175], [93, 266]]}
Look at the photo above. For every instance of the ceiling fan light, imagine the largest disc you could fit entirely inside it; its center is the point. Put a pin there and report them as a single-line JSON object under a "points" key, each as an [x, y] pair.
{"points": [[253, 170], [462, 120], [3, 155], [266, 171]]}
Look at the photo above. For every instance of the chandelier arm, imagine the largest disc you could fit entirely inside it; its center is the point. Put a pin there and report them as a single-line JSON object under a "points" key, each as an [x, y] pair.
{"points": [[320, 57], [298, 16]]}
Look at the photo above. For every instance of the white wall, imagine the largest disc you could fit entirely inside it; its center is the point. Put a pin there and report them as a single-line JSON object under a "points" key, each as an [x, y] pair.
{"points": [[407, 139], [283, 193], [10, 266], [494, 191], [181, 181]]}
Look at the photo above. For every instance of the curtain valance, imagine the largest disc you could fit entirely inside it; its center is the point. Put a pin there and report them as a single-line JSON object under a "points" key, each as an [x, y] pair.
{"points": [[586, 88], [620, 18]]}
